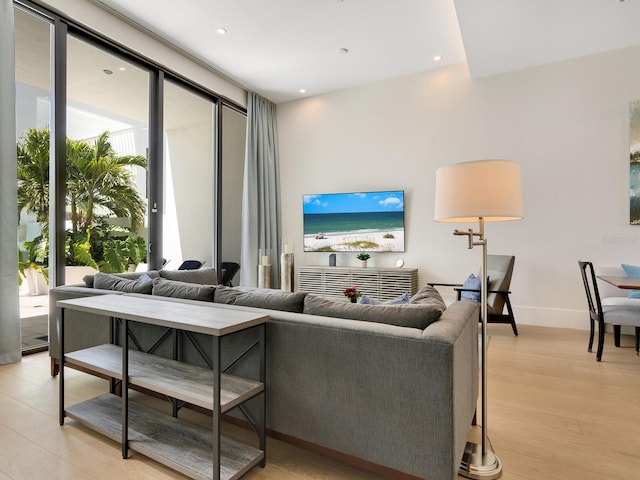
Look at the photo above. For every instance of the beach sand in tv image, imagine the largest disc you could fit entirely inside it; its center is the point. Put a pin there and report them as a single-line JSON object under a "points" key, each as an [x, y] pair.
{"points": [[354, 222]]}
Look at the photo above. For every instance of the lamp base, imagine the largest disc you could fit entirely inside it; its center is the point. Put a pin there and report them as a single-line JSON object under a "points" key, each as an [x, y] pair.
{"points": [[478, 466]]}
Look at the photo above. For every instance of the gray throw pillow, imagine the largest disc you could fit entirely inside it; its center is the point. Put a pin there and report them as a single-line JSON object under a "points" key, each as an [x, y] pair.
{"points": [[107, 281], [202, 276], [88, 279], [175, 289], [404, 315], [429, 296], [270, 299]]}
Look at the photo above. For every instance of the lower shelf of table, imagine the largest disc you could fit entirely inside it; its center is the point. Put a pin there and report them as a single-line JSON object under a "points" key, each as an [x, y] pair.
{"points": [[170, 441]]}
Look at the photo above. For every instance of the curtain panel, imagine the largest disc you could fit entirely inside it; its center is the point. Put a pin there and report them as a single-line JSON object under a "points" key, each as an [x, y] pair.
{"points": [[10, 311], [261, 226]]}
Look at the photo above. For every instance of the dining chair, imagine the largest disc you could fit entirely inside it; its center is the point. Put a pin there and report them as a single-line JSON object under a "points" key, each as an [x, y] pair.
{"points": [[614, 310]]}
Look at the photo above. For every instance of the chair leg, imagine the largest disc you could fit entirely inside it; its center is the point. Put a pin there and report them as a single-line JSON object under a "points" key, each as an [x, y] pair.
{"points": [[637, 340], [511, 316], [616, 335], [591, 334], [600, 341]]}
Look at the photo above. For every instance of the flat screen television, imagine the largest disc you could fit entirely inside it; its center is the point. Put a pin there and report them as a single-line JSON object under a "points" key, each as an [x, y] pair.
{"points": [[354, 222]]}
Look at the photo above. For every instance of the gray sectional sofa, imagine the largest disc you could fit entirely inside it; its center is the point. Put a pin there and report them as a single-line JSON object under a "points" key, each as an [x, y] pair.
{"points": [[392, 388]]}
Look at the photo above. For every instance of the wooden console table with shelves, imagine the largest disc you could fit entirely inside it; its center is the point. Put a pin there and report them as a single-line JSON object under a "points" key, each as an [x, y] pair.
{"points": [[380, 283], [192, 450]]}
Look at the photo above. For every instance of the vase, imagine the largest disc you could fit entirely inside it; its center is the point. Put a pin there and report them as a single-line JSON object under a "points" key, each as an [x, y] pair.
{"points": [[363, 263], [353, 299]]}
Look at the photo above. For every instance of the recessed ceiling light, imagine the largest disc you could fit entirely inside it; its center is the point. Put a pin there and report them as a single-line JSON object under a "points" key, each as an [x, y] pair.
{"points": [[343, 51], [437, 58], [221, 31], [302, 90], [122, 69]]}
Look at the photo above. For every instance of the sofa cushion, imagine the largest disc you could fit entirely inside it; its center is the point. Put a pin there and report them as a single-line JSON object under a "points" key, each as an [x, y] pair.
{"points": [[202, 276], [89, 279], [191, 291], [403, 315], [261, 298], [108, 281]]}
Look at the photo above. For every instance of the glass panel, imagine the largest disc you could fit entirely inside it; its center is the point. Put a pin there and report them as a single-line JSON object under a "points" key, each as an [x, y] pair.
{"points": [[234, 128], [188, 176], [107, 141], [33, 102]]}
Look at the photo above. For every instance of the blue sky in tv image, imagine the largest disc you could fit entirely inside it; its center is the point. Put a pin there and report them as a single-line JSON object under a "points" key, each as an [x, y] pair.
{"points": [[358, 221], [354, 202]]}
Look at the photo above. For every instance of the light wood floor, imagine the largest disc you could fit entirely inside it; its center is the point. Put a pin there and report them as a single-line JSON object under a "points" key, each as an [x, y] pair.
{"points": [[554, 413]]}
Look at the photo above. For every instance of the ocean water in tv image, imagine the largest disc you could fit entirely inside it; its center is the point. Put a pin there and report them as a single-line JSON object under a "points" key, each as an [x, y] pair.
{"points": [[327, 223], [354, 232]]}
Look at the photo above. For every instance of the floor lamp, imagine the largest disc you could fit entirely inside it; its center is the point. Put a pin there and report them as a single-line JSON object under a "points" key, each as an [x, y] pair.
{"points": [[480, 191]]}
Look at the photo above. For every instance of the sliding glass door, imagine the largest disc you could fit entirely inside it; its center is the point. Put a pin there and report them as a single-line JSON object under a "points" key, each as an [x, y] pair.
{"points": [[189, 176], [33, 119], [106, 162]]}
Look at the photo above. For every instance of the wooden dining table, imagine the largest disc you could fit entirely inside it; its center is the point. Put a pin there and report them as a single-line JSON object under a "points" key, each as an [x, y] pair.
{"points": [[627, 283]]}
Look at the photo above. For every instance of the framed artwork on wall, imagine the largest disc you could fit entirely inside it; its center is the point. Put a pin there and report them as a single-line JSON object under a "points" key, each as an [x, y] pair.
{"points": [[634, 163]]}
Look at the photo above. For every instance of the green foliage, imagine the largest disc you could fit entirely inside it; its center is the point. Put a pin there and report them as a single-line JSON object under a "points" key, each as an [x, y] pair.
{"points": [[363, 256], [33, 174], [363, 245], [119, 253], [35, 257], [327, 248], [98, 180], [388, 235]]}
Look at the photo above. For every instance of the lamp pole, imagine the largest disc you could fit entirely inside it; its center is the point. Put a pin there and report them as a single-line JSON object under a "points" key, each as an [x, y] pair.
{"points": [[478, 462]]}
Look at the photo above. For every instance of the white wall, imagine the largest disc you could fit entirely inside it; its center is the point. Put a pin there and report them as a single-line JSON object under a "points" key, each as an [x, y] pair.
{"points": [[566, 123]]}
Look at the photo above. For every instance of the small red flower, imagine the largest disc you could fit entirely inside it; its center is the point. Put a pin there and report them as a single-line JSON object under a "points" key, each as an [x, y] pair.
{"points": [[352, 292]]}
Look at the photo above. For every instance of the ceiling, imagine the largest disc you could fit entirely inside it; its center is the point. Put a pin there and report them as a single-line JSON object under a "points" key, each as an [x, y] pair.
{"points": [[278, 47]]}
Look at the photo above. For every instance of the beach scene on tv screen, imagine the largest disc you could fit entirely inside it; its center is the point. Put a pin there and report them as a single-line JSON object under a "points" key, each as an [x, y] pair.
{"points": [[354, 222]]}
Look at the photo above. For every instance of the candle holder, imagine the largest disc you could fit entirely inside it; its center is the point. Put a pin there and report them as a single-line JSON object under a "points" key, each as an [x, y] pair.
{"points": [[264, 268], [286, 266]]}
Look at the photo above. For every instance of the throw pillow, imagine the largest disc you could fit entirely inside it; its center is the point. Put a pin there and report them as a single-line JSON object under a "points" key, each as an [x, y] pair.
{"points": [[472, 282], [632, 271], [367, 300], [202, 276], [107, 281], [175, 289], [261, 298], [88, 279], [404, 298], [429, 296], [405, 315]]}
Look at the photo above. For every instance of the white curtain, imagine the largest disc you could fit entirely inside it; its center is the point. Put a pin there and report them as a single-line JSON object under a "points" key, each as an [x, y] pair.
{"points": [[9, 308], [261, 192]]}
